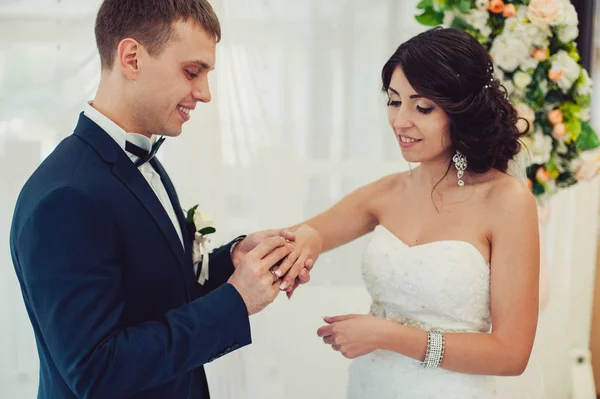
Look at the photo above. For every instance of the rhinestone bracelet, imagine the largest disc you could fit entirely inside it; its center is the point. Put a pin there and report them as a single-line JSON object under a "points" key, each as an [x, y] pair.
{"points": [[435, 350]]}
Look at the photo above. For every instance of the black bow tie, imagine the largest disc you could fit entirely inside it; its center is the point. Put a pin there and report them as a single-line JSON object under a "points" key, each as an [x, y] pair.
{"points": [[144, 156]]}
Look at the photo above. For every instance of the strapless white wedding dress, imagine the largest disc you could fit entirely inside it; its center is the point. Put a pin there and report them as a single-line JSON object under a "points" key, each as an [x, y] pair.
{"points": [[443, 285]]}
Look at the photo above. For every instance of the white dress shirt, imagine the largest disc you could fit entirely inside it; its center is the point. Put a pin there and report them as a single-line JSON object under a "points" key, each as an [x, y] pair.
{"points": [[151, 176]]}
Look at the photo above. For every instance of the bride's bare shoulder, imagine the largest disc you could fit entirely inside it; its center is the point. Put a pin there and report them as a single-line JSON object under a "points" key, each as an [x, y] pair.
{"points": [[506, 193], [390, 183]]}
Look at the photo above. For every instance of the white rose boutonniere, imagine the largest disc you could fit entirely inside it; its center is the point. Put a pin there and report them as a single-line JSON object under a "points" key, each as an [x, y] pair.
{"points": [[203, 226]]}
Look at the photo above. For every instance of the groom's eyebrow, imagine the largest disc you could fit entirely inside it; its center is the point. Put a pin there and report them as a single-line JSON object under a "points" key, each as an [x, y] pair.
{"points": [[201, 64]]}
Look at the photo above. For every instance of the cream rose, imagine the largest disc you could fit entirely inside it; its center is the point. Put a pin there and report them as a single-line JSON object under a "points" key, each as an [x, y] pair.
{"points": [[545, 12], [509, 52], [526, 113], [203, 221], [521, 79]]}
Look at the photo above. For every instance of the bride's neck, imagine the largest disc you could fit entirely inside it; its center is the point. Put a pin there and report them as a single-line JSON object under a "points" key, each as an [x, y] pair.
{"points": [[439, 173]]}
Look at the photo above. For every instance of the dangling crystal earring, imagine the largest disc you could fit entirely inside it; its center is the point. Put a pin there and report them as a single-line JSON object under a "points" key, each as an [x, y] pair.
{"points": [[409, 169], [460, 162]]}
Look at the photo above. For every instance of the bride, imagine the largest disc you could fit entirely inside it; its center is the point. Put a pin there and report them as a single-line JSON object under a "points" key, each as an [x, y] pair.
{"points": [[453, 263]]}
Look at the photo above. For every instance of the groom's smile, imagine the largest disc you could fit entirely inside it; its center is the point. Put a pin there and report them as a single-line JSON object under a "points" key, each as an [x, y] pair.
{"points": [[184, 112]]}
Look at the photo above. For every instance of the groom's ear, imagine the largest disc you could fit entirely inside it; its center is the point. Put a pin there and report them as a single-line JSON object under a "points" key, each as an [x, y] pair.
{"points": [[128, 57]]}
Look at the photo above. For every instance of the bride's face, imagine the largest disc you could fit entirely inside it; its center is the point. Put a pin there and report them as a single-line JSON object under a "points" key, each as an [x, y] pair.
{"points": [[420, 126]]}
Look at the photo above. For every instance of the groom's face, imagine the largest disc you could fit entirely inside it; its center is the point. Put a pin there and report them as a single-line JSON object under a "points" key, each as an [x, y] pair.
{"points": [[169, 85]]}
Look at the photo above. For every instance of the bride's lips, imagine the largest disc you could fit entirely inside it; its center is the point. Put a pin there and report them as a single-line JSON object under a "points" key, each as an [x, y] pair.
{"points": [[407, 141]]}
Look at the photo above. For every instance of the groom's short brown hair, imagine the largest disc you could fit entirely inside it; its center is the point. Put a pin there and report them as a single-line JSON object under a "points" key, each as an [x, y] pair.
{"points": [[150, 22]]}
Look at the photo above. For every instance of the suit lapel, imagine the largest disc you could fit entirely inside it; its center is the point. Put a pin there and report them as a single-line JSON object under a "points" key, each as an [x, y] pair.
{"points": [[131, 177]]}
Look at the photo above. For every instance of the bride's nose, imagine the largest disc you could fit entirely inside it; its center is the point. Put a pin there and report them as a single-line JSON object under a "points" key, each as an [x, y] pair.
{"points": [[400, 119]]}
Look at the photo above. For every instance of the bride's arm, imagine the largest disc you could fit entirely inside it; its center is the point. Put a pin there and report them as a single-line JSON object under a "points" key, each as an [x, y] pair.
{"points": [[514, 305], [353, 216]]}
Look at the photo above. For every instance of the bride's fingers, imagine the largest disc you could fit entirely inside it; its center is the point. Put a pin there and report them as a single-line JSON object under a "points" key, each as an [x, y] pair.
{"points": [[287, 234], [336, 319], [295, 270], [309, 264], [288, 262], [328, 340], [336, 347], [290, 292], [325, 331], [303, 277]]}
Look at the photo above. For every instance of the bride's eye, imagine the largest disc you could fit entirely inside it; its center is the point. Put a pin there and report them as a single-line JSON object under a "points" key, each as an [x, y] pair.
{"points": [[424, 110]]}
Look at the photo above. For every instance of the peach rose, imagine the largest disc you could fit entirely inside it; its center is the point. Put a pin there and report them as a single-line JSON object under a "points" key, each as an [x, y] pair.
{"points": [[559, 131], [555, 75], [540, 54], [509, 11], [555, 116], [496, 6], [542, 175]]}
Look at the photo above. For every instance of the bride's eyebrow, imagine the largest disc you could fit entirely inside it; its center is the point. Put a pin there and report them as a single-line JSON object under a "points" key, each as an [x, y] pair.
{"points": [[412, 96]]}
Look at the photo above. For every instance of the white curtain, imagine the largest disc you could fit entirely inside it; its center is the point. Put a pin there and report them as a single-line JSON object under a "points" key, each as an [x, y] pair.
{"points": [[297, 121]]}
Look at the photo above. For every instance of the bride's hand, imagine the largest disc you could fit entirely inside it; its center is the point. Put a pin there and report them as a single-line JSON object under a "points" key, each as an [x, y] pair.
{"points": [[307, 248], [352, 335]]}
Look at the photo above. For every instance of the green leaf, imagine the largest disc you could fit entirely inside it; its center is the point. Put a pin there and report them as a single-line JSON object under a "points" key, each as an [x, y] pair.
{"points": [[496, 22], [555, 96], [541, 71], [459, 23], [588, 139], [424, 4], [546, 126], [190, 215], [465, 6], [565, 179], [207, 230], [574, 127], [536, 97], [583, 101], [430, 18]]}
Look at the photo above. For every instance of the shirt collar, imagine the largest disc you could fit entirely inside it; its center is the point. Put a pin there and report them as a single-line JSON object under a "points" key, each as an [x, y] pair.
{"points": [[117, 132]]}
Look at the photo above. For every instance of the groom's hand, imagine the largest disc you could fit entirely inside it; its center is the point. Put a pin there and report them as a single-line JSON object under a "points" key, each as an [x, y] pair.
{"points": [[252, 240], [253, 279]]}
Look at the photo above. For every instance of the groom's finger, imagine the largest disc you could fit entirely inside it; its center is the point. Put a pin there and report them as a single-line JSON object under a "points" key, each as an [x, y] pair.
{"points": [[267, 246], [276, 255]]}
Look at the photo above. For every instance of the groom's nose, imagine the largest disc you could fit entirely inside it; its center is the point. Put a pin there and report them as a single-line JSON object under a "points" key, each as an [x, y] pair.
{"points": [[201, 90]]}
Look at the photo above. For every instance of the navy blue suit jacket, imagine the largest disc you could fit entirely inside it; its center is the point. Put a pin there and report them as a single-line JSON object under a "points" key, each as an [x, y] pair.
{"points": [[108, 286]]}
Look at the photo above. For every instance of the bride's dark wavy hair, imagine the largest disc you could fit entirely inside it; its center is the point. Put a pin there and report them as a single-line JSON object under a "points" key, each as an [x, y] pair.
{"points": [[451, 68]]}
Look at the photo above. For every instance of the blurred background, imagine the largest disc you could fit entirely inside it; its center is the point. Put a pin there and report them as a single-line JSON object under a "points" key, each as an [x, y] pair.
{"points": [[296, 122]]}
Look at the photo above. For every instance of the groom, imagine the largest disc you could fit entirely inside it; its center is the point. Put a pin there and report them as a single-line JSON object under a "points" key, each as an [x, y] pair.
{"points": [[99, 240]]}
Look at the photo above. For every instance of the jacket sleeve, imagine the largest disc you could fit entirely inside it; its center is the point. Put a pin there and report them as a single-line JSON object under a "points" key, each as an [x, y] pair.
{"points": [[220, 269], [67, 256]]}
